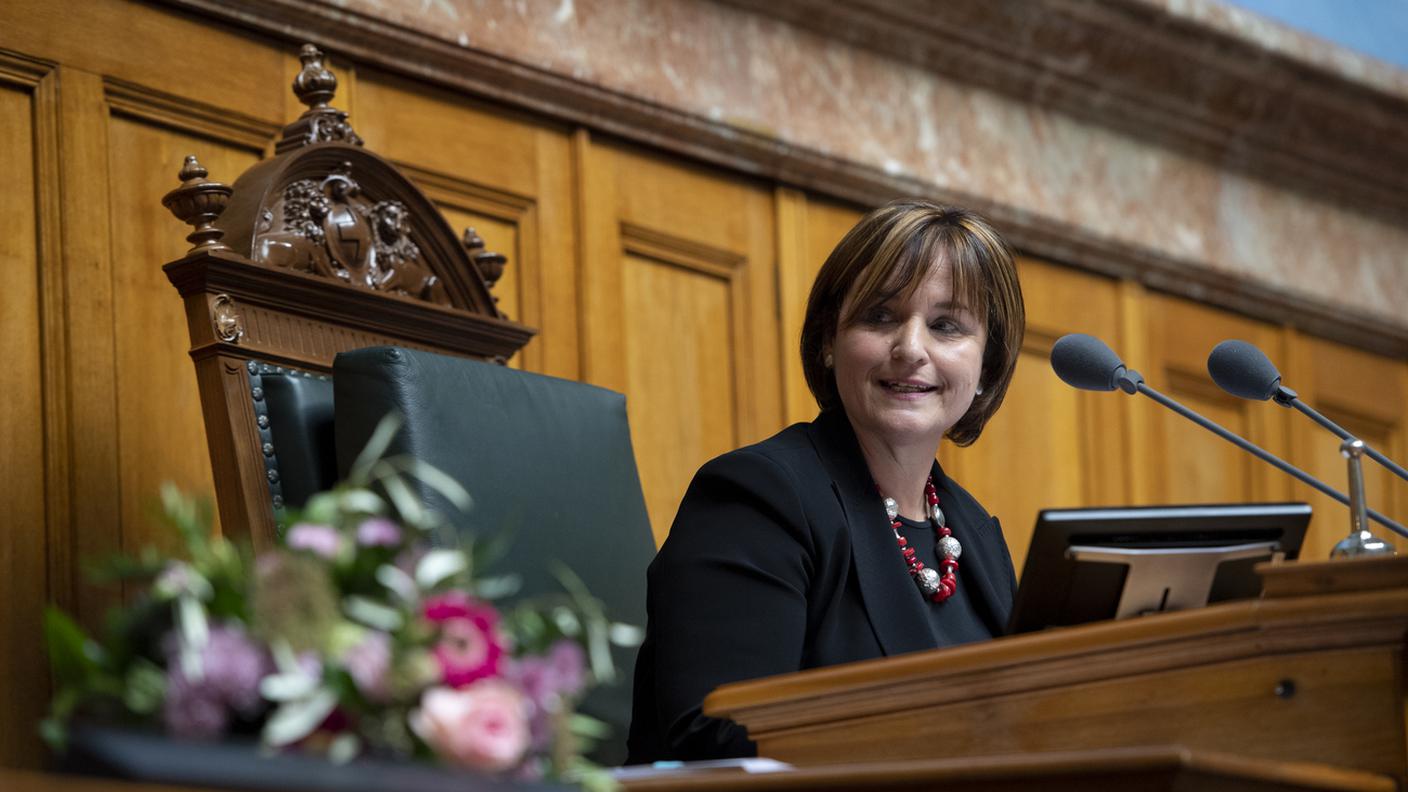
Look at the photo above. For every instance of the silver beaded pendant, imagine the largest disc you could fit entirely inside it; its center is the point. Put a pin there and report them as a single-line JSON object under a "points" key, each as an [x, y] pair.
{"points": [[928, 580], [950, 548]]}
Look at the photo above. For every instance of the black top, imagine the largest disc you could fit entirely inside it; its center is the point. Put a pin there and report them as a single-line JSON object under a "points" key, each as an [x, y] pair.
{"points": [[956, 620], [781, 559]]}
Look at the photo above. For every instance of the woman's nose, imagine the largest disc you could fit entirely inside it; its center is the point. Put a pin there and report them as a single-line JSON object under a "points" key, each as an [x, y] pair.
{"points": [[908, 345]]}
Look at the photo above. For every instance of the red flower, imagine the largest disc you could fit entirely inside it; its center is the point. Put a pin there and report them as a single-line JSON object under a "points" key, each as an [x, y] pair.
{"points": [[470, 647]]}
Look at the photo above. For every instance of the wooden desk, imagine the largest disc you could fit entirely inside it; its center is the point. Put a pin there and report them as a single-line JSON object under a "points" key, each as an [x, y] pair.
{"points": [[1311, 672]]}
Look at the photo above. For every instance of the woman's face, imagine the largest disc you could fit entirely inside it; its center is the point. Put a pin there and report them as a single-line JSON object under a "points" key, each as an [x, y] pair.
{"points": [[907, 369]]}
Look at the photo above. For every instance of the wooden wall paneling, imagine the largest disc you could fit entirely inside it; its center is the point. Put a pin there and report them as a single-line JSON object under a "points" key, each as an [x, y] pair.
{"points": [[27, 162], [94, 492], [557, 264], [160, 425], [808, 228], [1135, 426], [508, 225], [602, 320], [170, 52], [680, 271], [1366, 394], [1050, 445], [1188, 464], [502, 174]]}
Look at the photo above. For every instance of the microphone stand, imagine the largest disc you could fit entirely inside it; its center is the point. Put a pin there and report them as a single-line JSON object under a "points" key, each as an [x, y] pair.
{"points": [[1131, 382], [1360, 541], [1287, 398]]}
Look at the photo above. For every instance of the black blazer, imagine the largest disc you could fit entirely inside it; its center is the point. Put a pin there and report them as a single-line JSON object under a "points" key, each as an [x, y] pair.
{"points": [[779, 560]]}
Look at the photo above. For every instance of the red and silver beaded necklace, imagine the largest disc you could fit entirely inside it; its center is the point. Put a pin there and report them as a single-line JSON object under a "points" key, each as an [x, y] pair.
{"points": [[933, 585]]}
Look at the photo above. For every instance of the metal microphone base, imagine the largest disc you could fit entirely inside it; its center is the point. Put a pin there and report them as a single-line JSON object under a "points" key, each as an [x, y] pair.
{"points": [[1362, 543]]}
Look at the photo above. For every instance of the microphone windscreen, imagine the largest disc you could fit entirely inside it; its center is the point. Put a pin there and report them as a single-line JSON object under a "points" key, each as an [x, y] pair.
{"points": [[1085, 362], [1243, 370]]}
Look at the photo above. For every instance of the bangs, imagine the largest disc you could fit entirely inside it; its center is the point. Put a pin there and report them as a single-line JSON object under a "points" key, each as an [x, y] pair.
{"points": [[905, 257]]}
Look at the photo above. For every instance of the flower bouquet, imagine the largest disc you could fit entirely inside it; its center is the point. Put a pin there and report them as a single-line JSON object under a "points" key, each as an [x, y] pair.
{"points": [[370, 631]]}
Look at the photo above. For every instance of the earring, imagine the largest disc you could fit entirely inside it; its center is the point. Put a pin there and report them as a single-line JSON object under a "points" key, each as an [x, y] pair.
{"points": [[829, 360], [979, 391]]}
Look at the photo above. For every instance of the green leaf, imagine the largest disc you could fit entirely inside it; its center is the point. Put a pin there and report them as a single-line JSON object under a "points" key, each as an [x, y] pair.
{"points": [[297, 719], [372, 613], [358, 500], [587, 726], [54, 733], [385, 431], [498, 586], [438, 566], [145, 687], [74, 658], [436, 479], [344, 748], [625, 635], [407, 505]]}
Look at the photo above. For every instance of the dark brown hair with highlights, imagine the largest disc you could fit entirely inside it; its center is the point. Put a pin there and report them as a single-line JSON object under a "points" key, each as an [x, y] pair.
{"points": [[890, 252]]}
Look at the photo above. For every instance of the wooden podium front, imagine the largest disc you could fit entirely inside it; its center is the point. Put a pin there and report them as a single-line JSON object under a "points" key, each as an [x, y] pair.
{"points": [[1313, 672]]}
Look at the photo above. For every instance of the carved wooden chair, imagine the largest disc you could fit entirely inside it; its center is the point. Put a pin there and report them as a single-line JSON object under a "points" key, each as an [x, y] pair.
{"points": [[326, 248], [321, 249]]}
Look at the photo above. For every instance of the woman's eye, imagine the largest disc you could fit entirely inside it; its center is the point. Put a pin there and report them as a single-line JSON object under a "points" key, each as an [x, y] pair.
{"points": [[877, 316], [945, 326]]}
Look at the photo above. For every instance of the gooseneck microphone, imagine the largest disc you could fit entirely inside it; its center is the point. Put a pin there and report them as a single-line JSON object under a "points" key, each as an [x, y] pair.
{"points": [[1243, 370], [1086, 362]]}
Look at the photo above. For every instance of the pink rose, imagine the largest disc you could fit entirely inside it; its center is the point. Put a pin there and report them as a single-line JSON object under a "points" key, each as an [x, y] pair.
{"points": [[323, 540], [470, 647], [483, 726]]}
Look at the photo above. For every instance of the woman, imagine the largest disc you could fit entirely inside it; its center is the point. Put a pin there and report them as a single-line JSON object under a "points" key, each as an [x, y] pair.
{"points": [[840, 540]]}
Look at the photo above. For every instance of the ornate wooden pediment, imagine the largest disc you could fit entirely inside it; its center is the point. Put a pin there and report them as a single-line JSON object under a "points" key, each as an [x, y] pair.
{"points": [[323, 248]]}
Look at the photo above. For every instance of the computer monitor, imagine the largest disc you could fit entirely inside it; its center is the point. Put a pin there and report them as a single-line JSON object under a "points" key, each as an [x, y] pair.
{"points": [[1094, 564]]}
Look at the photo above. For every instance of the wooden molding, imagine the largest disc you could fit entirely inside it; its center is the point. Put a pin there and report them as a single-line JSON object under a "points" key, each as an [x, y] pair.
{"points": [[276, 305], [422, 57]]}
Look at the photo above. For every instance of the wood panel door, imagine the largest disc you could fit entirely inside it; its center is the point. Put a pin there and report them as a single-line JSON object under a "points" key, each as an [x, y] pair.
{"points": [[1174, 461], [680, 311], [1367, 395]]}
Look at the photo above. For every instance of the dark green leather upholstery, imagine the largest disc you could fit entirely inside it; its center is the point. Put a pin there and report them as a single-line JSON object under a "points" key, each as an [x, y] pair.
{"points": [[299, 407], [546, 458]]}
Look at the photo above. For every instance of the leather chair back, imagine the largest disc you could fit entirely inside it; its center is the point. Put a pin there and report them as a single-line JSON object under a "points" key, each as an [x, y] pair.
{"points": [[547, 459]]}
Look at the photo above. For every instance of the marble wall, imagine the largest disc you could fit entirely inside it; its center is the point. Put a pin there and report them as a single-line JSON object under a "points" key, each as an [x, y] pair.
{"points": [[729, 65]]}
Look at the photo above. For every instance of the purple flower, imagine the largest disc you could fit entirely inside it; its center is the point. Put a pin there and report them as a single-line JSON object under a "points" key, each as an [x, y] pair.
{"points": [[546, 680], [369, 664], [378, 532], [192, 709], [234, 665], [323, 540], [231, 667], [569, 666]]}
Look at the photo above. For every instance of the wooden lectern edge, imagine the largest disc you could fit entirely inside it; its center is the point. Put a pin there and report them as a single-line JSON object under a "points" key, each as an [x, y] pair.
{"points": [[1218, 633], [1050, 767]]}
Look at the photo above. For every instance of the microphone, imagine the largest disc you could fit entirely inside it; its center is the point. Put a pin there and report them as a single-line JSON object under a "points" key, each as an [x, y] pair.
{"points": [[1088, 363], [1085, 362], [1243, 370]]}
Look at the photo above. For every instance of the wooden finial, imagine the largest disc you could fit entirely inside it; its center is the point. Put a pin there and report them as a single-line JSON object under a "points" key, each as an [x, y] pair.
{"points": [[315, 84], [490, 265], [198, 202]]}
